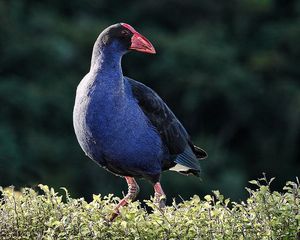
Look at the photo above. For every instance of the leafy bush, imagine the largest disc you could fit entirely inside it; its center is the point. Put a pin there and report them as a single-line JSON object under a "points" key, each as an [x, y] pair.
{"points": [[264, 215]]}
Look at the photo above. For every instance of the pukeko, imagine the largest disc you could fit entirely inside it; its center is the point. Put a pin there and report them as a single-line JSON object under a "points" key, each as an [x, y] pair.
{"points": [[123, 125]]}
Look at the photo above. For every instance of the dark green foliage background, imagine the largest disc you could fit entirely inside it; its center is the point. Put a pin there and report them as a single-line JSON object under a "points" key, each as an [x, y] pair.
{"points": [[230, 70]]}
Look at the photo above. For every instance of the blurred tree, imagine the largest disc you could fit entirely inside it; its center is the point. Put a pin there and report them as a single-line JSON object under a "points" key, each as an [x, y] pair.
{"points": [[229, 70]]}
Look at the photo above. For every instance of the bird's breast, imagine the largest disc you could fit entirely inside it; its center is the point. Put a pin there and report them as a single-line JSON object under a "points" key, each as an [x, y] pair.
{"points": [[112, 125]]}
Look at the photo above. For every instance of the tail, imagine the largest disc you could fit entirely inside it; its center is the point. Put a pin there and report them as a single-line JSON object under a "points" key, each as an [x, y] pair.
{"points": [[199, 152], [187, 163]]}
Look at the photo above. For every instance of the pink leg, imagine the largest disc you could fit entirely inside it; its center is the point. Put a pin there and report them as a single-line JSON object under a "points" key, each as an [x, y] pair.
{"points": [[133, 190], [159, 195]]}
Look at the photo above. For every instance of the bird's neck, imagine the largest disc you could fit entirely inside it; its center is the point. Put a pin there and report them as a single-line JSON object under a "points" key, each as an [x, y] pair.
{"points": [[108, 79], [106, 62], [106, 59]]}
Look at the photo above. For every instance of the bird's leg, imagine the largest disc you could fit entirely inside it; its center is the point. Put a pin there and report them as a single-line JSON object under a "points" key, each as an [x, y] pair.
{"points": [[159, 195], [133, 190]]}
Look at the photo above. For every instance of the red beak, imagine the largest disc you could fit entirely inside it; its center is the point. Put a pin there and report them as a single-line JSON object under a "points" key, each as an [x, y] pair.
{"points": [[139, 42]]}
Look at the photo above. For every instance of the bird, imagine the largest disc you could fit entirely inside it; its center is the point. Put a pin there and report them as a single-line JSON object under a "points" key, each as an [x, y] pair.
{"points": [[125, 126]]}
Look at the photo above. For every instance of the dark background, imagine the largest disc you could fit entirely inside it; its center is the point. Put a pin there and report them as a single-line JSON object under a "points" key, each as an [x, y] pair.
{"points": [[230, 70]]}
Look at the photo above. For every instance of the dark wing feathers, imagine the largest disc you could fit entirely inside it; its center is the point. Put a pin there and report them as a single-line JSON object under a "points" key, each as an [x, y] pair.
{"points": [[173, 134], [170, 129], [199, 152]]}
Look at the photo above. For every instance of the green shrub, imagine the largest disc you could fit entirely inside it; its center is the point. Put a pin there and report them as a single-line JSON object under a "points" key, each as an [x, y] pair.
{"points": [[264, 215]]}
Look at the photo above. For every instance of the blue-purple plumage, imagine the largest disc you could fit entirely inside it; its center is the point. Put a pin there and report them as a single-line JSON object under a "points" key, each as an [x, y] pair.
{"points": [[124, 125]]}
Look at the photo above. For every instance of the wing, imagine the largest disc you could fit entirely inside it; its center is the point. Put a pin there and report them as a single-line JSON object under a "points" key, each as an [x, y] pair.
{"points": [[172, 133]]}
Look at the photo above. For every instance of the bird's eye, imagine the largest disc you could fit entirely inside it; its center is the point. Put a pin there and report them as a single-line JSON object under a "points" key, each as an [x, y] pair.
{"points": [[125, 33]]}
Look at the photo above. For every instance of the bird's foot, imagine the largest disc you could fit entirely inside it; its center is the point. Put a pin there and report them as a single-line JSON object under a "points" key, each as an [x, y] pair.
{"points": [[112, 217], [116, 212], [133, 190]]}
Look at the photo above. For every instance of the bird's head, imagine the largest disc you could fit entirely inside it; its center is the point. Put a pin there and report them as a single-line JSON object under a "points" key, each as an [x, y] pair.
{"points": [[126, 38]]}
